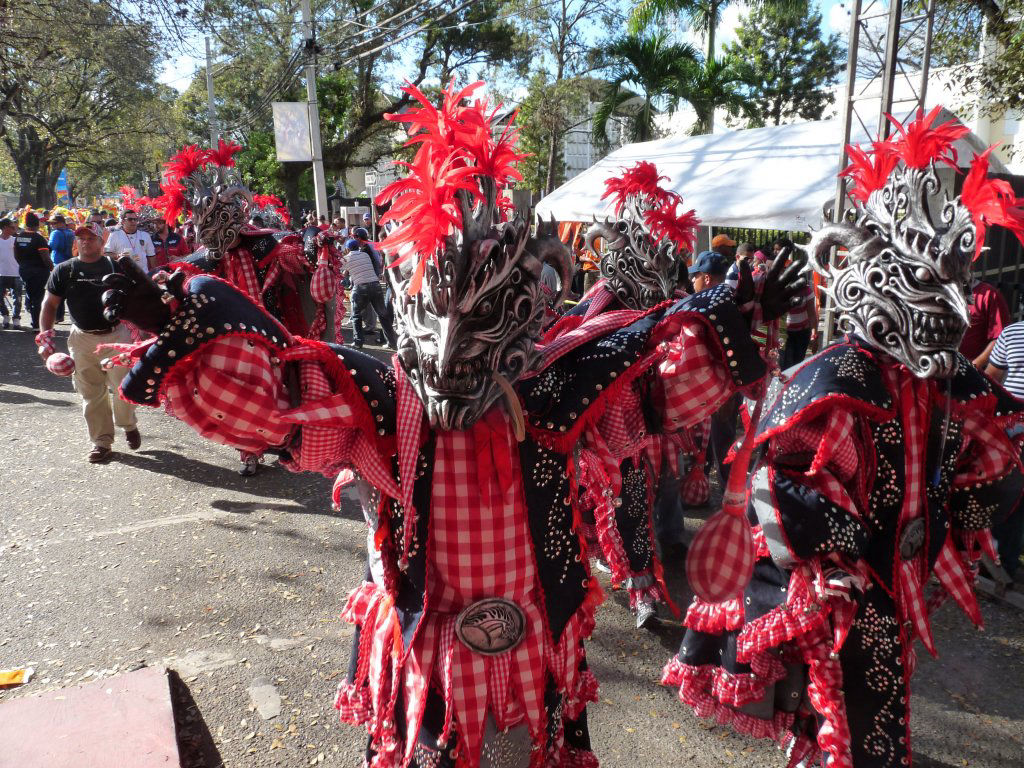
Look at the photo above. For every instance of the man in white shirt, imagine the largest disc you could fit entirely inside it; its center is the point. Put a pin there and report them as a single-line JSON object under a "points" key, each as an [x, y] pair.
{"points": [[366, 292], [129, 239], [9, 279]]}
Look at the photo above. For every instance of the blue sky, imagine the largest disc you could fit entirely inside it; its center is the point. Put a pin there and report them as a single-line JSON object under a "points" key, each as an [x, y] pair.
{"points": [[177, 71]]}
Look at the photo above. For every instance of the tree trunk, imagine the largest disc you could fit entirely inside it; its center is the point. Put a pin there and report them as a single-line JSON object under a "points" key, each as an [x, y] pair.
{"points": [[290, 181], [549, 181], [35, 163]]}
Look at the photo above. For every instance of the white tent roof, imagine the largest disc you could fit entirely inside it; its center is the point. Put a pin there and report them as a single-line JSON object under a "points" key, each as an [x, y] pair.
{"points": [[778, 177]]}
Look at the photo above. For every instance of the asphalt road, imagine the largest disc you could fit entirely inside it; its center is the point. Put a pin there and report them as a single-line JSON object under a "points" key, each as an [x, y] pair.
{"points": [[167, 557]]}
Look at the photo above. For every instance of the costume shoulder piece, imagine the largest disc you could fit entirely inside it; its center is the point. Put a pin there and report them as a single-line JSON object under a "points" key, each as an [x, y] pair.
{"points": [[845, 373], [261, 243], [576, 383], [969, 385], [212, 309]]}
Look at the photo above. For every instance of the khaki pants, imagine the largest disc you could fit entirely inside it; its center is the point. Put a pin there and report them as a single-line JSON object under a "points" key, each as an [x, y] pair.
{"points": [[93, 384]]}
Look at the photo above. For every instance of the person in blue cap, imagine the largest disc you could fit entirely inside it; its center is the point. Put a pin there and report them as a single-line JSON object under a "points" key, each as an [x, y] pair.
{"points": [[708, 270]]}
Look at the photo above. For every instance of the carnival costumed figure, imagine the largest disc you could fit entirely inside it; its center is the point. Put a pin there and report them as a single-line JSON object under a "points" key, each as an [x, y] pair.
{"points": [[469, 648], [294, 277], [883, 462], [643, 251]]}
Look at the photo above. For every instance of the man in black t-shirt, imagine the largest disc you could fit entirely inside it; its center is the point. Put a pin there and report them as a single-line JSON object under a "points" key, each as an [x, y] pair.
{"points": [[79, 282], [32, 252]]}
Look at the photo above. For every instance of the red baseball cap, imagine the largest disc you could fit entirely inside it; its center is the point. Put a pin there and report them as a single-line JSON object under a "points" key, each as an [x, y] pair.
{"points": [[87, 229]]}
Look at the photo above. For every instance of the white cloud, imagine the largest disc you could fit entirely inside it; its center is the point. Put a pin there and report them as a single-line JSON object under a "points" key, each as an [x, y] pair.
{"points": [[730, 22]]}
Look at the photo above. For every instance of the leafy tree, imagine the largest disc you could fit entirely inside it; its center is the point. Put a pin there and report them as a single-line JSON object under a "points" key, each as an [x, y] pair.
{"points": [[703, 16], [714, 84], [82, 97], [564, 32], [551, 108], [654, 68], [790, 66]]}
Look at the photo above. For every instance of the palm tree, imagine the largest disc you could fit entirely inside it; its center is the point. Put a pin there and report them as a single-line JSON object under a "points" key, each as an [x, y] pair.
{"points": [[708, 85], [703, 16], [647, 75]]}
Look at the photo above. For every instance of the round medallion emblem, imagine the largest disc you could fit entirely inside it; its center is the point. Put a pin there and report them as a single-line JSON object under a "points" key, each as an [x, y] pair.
{"points": [[491, 626]]}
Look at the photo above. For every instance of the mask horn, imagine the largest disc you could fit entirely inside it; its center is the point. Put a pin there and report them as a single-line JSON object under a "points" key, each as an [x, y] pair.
{"points": [[553, 251], [858, 241]]}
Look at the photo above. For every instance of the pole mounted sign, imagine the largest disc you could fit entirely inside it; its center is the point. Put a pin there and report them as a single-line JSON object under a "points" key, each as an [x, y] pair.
{"points": [[291, 132]]}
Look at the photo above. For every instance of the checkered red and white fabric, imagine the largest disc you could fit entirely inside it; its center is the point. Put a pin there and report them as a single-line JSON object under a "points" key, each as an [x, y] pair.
{"points": [[480, 534], [695, 382], [721, 558], [591, 329], [232, 395]]}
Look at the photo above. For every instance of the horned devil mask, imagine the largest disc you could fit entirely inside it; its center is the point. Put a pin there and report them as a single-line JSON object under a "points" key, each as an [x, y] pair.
{"points": [[207, 182], [466, 282], [906, 277], [645, 244]]}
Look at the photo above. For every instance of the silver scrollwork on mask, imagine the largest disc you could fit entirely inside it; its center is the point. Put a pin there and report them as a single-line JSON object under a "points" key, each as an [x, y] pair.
{"points": [[905, 281], [470, 330], [640, 273], [220, 207]]}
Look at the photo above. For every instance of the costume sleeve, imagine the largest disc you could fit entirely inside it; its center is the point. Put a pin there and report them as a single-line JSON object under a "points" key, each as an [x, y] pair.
{"points": [[988, 481], [694, 379], [809, 493]]}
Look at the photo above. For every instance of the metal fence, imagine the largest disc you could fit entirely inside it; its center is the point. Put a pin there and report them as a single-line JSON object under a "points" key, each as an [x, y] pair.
{"points": [[761, 238]]}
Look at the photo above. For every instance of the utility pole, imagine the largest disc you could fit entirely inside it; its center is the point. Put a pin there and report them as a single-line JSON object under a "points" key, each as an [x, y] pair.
{"points": [[319, 180], [210, 109]]}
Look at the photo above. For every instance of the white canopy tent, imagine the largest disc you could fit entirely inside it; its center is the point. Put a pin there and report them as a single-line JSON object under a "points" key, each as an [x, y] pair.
{"points": [[779, 177]]}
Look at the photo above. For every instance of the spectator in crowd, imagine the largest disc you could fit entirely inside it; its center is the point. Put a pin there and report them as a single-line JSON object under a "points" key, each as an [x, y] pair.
{"points": [[366, 291], [1006, 365], [989, 315], [363, 236], [130, 240], [9, 278], [709, 270], [322, 225], [32, 253], [61, 239], [550, 282], [801, 322], [338, 228], [168, 246], [724, 245], [79, 282], [744, 253]]}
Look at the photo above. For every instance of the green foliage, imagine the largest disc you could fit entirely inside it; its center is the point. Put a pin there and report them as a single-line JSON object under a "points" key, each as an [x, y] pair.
{"points": [[789, 66], [551, 108], [655, 70], [87, 99]]}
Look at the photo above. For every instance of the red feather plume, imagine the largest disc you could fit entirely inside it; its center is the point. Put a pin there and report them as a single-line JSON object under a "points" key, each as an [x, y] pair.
{"points": [[130, 198], [273, 201], [456, 150], [992, 202], [171, 202], [642, 179], [921, 143], [425, 203], [225, 153], [868, 170], [190, 159], [665, 221]]}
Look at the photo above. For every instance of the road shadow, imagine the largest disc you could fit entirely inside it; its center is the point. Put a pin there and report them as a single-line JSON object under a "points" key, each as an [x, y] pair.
{"points": [[310, 506], [196, 747], [23, 398]]}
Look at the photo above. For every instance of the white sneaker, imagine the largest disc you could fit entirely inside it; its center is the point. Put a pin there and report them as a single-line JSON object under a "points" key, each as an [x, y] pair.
{"points": [[7, 323], [602, 566]]}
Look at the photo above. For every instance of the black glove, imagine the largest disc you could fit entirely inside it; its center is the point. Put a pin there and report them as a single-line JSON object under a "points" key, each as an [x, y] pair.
{"points": [[745, 286], [132, 295], [783, 287]]}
